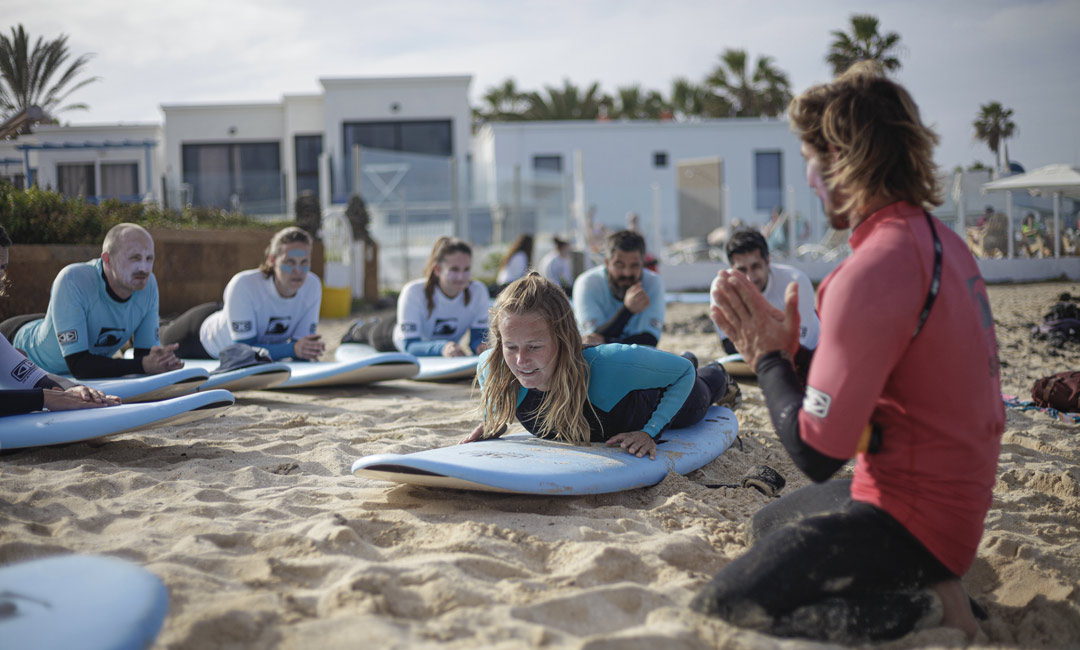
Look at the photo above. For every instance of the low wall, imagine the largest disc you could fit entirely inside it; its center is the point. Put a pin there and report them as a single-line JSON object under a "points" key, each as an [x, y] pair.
{"points": [[191, 266]]}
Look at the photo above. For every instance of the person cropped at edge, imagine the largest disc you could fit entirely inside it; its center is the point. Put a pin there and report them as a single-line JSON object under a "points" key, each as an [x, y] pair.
{"points": [[515, 264], [624, 395], [275, 307], [94, 308], [24, 387], [434, 312], [620, 301], [905, 378], [748, 253]]}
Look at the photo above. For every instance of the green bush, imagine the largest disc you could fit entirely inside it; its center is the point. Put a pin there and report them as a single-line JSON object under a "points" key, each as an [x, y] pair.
{"points": [[37, 216]]}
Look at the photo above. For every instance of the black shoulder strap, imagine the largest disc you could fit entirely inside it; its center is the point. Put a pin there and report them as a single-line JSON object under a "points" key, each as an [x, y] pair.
{"points": [[935, 281]]}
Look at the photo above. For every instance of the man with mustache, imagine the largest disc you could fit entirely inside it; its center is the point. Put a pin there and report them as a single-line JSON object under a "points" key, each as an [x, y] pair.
{"points": [[621, 301], [94, 308]]}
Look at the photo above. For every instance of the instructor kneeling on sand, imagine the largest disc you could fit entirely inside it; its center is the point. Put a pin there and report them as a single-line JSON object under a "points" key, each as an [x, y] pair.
{"points": [[905, 377]]}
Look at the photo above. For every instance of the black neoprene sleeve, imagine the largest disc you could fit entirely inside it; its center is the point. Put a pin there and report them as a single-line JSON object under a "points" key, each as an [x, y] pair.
{"points": [[25, 400], [612, 329], [783, 396], [84, 365]]}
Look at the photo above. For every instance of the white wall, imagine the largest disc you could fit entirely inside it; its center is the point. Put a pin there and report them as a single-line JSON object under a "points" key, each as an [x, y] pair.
{"points": [[303, 115], [618, 162]]}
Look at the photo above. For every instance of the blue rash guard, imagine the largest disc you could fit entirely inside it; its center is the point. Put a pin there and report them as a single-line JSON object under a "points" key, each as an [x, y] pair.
{"points": [[624, 382], [595, 305], [83, 317]]}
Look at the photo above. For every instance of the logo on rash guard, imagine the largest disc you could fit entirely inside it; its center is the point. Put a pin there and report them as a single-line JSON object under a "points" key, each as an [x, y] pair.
{"points": [[445, 326], [278, 324], [67, 336], [241, 326], [109, 336], [313, 328], [408, 328], [23, 370], [816, 402]]}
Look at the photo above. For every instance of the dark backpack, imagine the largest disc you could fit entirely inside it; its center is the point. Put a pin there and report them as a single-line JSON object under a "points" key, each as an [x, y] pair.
{"points": [[1060, 391]]}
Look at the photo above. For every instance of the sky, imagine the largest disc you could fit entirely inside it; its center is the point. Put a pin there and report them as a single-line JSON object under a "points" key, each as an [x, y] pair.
{"points": [[956, 54]]}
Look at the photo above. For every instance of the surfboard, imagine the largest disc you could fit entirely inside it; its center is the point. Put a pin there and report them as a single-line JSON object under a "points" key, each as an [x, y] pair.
{"points": [[446, 368], [56, 427], [263, 375], [379, 366], [80, 601], [736, 366], [431, 368], [688, 297], [524, 464], [148, 388]]}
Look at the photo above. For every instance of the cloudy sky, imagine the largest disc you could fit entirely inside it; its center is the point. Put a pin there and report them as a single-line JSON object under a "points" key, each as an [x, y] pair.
{"points": [[957, 54]]}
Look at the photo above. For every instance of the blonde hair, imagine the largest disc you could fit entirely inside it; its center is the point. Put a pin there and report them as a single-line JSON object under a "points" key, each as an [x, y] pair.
{"points": [[871, 140], [443, 246], [282, 238], [562, 411]]}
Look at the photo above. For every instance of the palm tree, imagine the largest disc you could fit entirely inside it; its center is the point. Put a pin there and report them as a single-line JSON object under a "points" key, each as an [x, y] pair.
{"points": [[635, 104], [503, 102], [27, 76], [568, 103], [993, 126], [687, 98], [863, 44], [765, 92]]}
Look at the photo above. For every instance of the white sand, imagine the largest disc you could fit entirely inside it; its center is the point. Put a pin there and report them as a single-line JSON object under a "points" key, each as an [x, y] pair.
{"points": [[265, 540]]}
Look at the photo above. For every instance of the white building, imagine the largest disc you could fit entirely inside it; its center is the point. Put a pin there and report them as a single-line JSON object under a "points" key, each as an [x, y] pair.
{"points": [[631, 166], [260, 157], [96, 162]]}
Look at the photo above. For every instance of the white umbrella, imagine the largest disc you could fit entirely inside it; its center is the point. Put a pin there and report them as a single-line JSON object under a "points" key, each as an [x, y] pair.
{"points": [[1056, 180], [1064, 179]]}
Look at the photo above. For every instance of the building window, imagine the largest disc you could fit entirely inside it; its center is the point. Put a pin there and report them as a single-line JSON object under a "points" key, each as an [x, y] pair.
{"points": [[548, 163], [120, 181], [308, 149], [76, 179], [659, 159], [240, 176], [428, 137], [768, 180]]}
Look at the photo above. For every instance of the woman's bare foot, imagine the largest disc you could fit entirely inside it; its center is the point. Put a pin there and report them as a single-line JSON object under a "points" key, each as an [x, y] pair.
{"points": [[957, 608]]}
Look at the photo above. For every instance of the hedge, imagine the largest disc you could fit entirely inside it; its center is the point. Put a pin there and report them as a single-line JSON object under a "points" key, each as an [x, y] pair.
{"points": [[37, 216]]}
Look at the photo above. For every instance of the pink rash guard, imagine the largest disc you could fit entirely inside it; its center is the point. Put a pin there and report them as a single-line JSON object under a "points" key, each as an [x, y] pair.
{"points": [[936, 398]]}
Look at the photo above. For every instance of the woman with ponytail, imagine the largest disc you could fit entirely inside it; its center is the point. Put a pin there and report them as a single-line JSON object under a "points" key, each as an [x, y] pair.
{"points": [[434, 312]]}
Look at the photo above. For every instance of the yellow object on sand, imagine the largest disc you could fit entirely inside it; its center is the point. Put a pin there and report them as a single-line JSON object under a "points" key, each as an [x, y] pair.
{"points": [[336, 302]]}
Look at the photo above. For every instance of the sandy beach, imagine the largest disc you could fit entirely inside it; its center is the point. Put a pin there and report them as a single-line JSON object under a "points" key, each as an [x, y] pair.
{"points": [[265, 540]]}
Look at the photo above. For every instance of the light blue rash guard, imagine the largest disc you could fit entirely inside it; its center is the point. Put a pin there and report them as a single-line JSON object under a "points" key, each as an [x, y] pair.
{"points": [[594, 304], [616, 369], [82, 316]]}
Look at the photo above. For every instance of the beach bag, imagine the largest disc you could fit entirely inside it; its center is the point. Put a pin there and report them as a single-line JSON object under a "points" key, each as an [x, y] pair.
{"points": [[1060, 391]]}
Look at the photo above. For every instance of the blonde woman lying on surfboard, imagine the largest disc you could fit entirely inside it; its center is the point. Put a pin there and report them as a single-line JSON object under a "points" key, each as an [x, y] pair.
{"points": [[24, 387], [624, 395]]}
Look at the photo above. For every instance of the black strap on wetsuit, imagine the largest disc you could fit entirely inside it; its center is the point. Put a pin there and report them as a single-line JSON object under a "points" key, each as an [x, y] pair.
{"points": [[784, 393]]}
